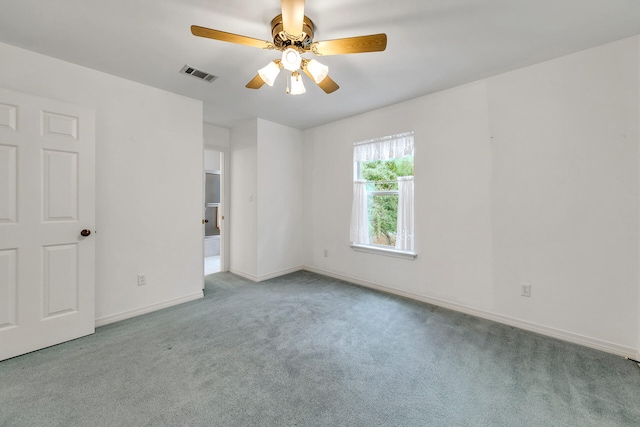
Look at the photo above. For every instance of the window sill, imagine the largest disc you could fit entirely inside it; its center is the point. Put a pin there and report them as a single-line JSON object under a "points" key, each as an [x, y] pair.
{"points": [[381, 250]]}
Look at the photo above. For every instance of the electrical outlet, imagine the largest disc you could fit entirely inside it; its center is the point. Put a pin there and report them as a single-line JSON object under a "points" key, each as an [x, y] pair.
{"points": [[326, 253], [142, 279], [526, 289]]}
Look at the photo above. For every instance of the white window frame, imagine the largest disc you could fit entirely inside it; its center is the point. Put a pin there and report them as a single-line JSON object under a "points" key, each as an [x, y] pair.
{"points": [[373, 248]]}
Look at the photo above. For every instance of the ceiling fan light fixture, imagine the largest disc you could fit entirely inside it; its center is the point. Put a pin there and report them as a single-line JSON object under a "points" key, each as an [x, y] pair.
{"points": [[297, 87], [317, 70], [291, 59], [292, 33], [269, 73]]}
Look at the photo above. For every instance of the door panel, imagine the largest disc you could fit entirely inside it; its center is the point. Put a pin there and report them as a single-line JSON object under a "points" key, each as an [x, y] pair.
{"points": [[59, 125], [60, 284], [47, 187], [60, 178], [8, 182], [8, 116], [8, 287]]}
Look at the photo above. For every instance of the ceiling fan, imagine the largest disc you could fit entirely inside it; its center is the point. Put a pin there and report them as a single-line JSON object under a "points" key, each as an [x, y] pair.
{"points": [[292, 34]]}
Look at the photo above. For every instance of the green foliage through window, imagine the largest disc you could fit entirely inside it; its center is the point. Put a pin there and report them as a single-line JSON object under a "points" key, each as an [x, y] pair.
{"points": [[382, 188]]}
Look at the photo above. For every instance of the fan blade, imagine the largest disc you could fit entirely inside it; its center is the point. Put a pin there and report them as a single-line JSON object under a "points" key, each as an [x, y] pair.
{"points": [[292, 16], [229, 37], [327, 84], [256, 83], [361, 44]]}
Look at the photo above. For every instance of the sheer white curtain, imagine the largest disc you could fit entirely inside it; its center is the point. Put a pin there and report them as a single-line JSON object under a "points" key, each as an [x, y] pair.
{"points": [[360, 214], [404, 232], [387, 148]]}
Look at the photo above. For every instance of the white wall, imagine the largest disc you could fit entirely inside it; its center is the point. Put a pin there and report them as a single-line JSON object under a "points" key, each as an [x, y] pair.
{"points": [[280, 190], [216, 137], [266, 199], [243, 214], [565, 199], [148, 175], [530, 176]]}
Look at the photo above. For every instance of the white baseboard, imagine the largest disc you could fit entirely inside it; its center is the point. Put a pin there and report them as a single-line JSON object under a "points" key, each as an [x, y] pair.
{"points": [[241, 273], [522, 324], [147, 309], [280, 273], [268, 276]]}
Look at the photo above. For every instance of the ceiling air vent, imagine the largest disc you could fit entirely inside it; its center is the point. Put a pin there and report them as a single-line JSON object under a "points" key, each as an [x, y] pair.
{"points": [[198, 74]]}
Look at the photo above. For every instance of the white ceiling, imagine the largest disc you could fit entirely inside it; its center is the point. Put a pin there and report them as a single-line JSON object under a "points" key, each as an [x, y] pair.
{"points": [[432, 45]]}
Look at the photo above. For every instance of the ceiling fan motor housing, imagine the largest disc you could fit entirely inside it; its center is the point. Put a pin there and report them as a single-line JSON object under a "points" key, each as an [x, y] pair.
{"points": [[282, 40]]}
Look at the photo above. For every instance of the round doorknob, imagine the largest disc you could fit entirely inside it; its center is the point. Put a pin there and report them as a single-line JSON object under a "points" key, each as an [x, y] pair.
{"points": [[85, 233], [206, 220]]}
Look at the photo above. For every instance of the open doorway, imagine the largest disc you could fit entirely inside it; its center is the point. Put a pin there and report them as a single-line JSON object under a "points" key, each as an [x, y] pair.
{"points": [[213, 200]]}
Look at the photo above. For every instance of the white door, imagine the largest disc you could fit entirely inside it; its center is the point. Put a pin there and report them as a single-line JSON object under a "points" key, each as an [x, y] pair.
{"points": [[47, 162]]}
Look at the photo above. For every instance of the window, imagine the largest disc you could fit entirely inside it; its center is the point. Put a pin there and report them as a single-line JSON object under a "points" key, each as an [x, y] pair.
{"points": [[382, 210]]}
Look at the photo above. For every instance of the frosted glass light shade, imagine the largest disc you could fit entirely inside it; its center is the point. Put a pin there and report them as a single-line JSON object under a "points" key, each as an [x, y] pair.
{"points": [[291, 59], [297, 87], [269, 73], [317, 70]]}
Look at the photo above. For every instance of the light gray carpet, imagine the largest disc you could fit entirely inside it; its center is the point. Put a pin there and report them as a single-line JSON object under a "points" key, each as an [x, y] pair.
{"points": [[306, 350]]}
